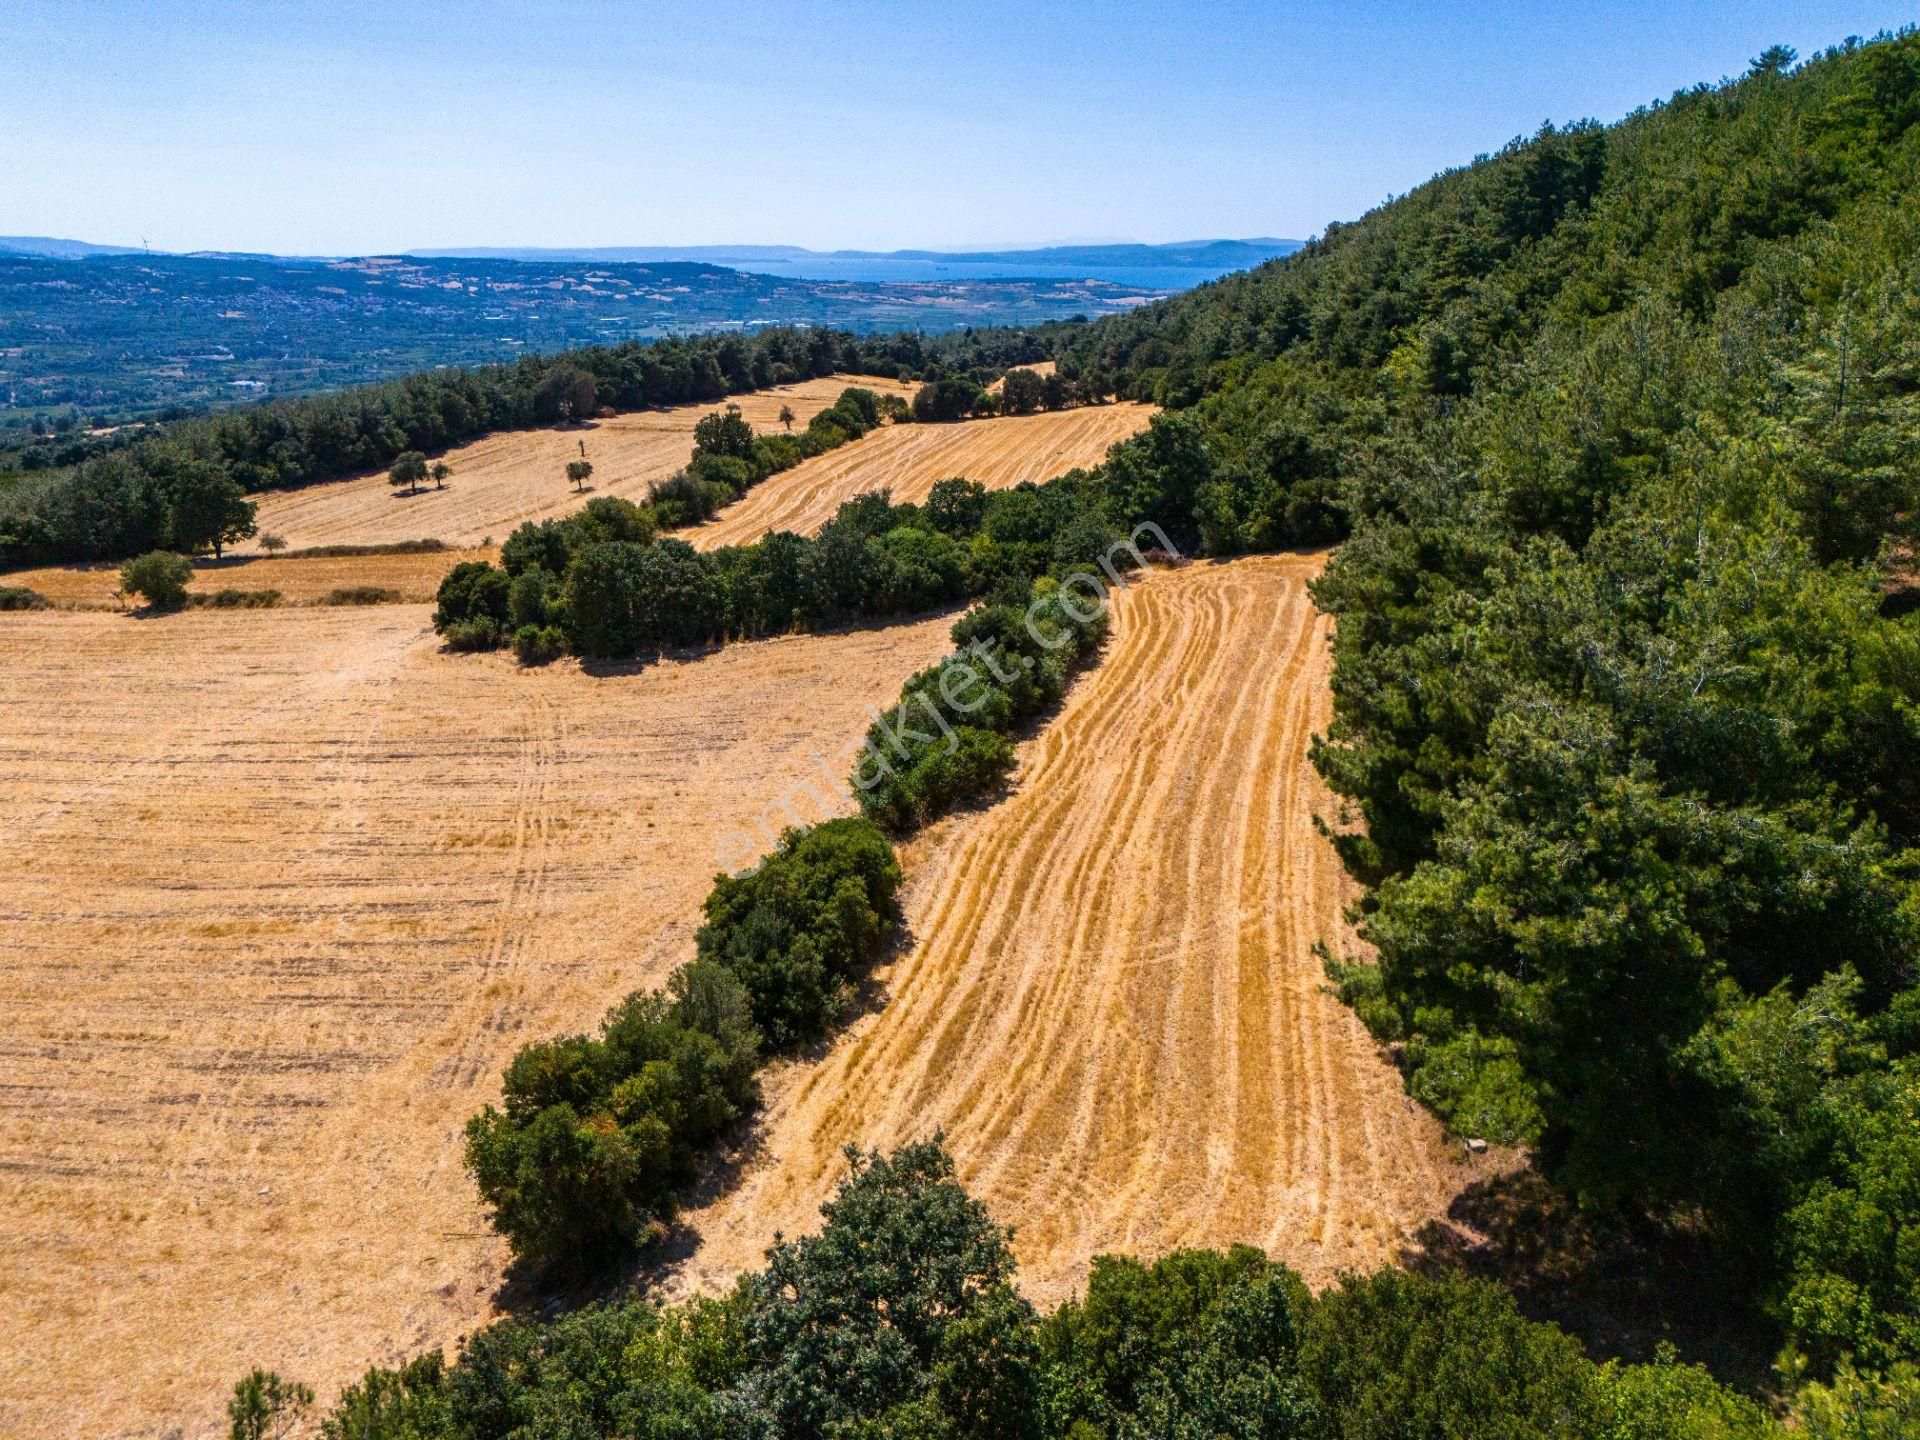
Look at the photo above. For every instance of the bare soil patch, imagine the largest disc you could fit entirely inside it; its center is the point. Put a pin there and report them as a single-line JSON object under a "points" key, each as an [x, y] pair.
{"points": [[284, 891]]}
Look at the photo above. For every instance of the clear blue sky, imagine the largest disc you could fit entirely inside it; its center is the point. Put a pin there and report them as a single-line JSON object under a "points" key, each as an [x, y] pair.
{"points": [[352, 127]]}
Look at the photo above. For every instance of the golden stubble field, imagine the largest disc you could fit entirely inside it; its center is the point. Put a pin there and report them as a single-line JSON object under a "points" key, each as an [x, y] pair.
{"points": [[301, 580], [285, 889], [1111, 1005], [513, 470], [510, 477], [910, 459]]}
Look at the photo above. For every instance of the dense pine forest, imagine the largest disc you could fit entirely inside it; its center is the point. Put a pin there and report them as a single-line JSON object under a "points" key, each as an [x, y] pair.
{"points": [[1618, 434]]}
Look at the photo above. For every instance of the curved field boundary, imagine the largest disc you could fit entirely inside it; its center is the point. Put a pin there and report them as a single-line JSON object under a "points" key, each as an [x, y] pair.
{"points": [[285, 890], [1111, 1007], [909, 459], [503, 479]]}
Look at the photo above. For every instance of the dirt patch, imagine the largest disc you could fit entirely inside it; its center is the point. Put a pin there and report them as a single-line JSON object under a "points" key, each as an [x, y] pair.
{"points": [[1111, 1006], [285, 889]]}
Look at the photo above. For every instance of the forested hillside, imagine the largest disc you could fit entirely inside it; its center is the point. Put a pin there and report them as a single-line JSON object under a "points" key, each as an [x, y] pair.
{"points": [[1621, 428]]}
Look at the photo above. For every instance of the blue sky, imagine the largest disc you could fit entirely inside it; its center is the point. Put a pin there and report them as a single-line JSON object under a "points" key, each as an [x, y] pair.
{"points": [[329, 128]]}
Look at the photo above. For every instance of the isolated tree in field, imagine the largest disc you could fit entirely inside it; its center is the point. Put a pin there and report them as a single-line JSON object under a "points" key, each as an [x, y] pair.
{"points": [[159, 577], [408, 469], [440, 471], [578, 471], [272, 544], [787, 417], [265, 1407]]}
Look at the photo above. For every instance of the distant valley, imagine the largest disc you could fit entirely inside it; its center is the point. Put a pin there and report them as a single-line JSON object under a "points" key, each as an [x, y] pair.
{"points": [[96, 332]]}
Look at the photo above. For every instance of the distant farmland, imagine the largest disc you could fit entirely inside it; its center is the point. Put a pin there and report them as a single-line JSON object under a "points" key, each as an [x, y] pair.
{"points": [[504, 479]]}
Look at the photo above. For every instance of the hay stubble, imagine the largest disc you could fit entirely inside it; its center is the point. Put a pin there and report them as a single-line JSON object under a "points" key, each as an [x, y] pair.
{"points": [[1112, 1007]]}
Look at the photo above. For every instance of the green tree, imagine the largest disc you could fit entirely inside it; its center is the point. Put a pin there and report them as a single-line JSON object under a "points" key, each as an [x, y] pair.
{"points": [[266, 1407], [159, 577], [440, 470], [409, 468], [206, 509], [578, 472], [787, 417], [847, 1324], [1022, 392]]}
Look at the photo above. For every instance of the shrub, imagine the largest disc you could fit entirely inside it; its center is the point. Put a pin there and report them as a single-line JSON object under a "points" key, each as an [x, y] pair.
{"points": [[798, 927], [944, 400], [159, 577], [472, 590], [543, 544], [595, 1133], [18, 597], [480, 633], [529, 595], [605, 518], [231, 599], [360, 595], [539, 644]]}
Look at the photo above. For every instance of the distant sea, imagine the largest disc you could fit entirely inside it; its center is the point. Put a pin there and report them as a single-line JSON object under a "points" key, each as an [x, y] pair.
{"points": [[830, 267]]}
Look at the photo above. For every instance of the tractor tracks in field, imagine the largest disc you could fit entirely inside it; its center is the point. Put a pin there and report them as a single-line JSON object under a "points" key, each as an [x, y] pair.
{"points": [[1112, 1005]]}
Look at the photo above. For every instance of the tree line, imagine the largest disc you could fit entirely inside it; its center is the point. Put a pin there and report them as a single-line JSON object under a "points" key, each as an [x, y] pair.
{"points": [[182, 486], [605, 584], [899, 1319]]}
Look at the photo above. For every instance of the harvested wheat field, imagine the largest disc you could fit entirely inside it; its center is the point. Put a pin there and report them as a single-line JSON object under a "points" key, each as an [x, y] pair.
{"points": [[1111, 1006], [285, 889], [513, 476], [300, 579], [910, 459]]}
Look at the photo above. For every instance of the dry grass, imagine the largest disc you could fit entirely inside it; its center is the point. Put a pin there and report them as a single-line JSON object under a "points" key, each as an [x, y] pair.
{"points": [[285, 889], [1111, 1006], [301, 580], [507, 478], [909, 459]]}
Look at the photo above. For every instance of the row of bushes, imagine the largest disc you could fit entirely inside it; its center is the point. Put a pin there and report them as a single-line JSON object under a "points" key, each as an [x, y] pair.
{"points": [[946, 740], [729, 458], [595, 1133], [600, 584], [900, 1320]]}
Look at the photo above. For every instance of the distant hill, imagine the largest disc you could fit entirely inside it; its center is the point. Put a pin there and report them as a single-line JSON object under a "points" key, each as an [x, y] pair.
{"points": [[131, 334], [48, 247], [1177, 266]]}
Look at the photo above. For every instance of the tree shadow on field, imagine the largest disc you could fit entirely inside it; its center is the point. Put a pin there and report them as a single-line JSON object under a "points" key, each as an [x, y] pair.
{"points": [[1622, 1289], [612, 669]]}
